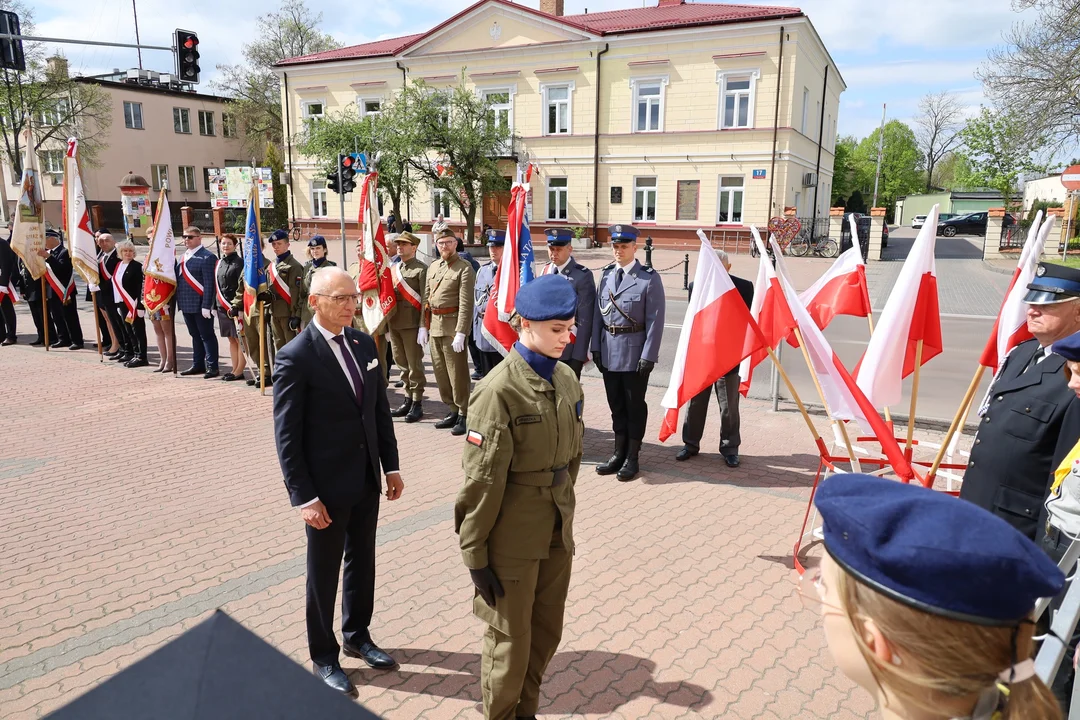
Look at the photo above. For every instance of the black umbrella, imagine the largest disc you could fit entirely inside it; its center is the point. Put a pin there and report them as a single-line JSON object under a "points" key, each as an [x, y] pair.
{"points": [[217, 670]]}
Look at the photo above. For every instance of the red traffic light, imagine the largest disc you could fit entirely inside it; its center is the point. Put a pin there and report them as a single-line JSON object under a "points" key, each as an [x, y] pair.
{"points": [[347, 161], [191, 42]]}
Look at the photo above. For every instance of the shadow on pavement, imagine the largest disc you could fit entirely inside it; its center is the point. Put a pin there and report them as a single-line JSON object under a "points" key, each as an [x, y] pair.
{"points": [[460, 679]]}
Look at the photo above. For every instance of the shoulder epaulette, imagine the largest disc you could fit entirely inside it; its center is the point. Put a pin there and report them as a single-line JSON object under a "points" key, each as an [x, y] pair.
{"points": [[647, 269], [609, 267]]}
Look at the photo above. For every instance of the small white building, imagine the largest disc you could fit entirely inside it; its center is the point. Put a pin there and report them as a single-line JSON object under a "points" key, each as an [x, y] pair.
{"points": [[1045, 188]]}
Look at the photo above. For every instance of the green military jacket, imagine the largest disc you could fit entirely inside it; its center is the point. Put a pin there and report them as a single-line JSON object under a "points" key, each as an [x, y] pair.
{"points": [[291, 273], [414, 274], [450, 288], [238, 298], [520, 430], [306, 313]]}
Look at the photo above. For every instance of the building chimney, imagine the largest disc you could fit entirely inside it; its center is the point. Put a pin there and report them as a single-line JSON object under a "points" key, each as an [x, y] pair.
{"points": [[667, 3], [552, 7], [57, 67]]}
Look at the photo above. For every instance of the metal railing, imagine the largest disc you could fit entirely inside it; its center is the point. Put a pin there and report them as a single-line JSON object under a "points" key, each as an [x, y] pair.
{"points": [[1013, 236], [863, 226]]}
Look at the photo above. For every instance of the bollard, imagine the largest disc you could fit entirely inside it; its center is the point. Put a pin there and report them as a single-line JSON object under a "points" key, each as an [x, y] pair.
{"points": [[648, 251], [686, 272]]}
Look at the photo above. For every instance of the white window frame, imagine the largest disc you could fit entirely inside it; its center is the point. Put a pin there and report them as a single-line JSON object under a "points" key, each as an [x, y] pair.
{"points": [[159, 179], [187, 173], [562, 199], [569, 87], [206, 123], [361, 101], [131, 122], [439, 206], [635, 84], [510, 90], [805, 109], [722, 79], [182, 117], [48, 165], [319, 195], [229, 125], [730, 191], [305, 109], [646, 190], [53, 116]]}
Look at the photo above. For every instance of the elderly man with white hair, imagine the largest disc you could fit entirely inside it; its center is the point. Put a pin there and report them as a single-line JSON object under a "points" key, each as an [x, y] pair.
{"points": [[727, 395]]}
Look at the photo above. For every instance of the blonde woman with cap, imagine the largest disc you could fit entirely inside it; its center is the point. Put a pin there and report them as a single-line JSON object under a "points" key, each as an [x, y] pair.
{"points": [[927, 602], [316, 250]]}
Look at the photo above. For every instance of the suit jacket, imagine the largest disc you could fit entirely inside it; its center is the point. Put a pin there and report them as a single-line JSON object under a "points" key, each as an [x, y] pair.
{"points": [[1032, 418], [323, 436], [8, 264], [637, 301], [59, 261], [132, 282], [201, 266], [581, 278]]}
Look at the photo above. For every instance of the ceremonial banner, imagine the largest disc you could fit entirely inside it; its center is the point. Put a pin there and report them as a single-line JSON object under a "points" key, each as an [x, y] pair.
{"points": [[841, 290], [515, 270], [81, 244], [709, 343], [769, 310], [159, 267], [28, 228], [254, 262], [375, 281]]}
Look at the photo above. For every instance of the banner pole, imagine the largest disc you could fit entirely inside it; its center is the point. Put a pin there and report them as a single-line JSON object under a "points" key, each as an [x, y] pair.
{"points": [[958, 420], [825, 404], [794, 395], [44, 312], [262, 350], [870, 322], [914, 396], [97, 328]]}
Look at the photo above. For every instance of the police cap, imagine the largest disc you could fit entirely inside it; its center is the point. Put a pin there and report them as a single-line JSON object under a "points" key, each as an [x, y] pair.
{"points": [[623, 233], [548, 297], [1053, 283], [496, 238], [558, 237]]}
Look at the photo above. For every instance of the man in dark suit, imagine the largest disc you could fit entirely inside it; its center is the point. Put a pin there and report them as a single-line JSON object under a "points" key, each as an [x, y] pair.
{"points": [[60, 278], [727, 395], [8, 279], [334, 432], [195, 299], [108, 309], [31, 293], [1029, 416]]}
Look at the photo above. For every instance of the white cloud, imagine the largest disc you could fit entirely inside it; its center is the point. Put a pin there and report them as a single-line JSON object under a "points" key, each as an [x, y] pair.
{"points": [[927, 73]]}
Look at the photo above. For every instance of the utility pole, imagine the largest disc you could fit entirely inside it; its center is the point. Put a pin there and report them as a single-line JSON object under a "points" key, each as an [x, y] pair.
{"points": [[880, 151], [135, 12]]}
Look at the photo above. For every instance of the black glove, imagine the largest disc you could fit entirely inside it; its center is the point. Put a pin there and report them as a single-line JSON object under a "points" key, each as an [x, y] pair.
{"points": [[234, 312], [596, 358], [644, 367], [487, 585], [294, 324], [263, 297], [576, 366]]}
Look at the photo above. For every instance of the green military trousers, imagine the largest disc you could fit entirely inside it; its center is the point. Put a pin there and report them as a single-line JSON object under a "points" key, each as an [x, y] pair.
{"points": [[523, 631], [451, 373], [409, 356], [282, 332]]}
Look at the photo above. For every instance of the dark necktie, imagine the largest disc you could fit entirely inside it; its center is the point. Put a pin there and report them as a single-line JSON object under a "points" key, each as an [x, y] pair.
{"points": [[618, 278], [354, 372], [1039, 355]]}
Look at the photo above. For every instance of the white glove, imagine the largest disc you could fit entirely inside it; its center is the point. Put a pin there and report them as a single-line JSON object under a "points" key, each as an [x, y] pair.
{"points": [[94, 288], [206, 313], [459, 342], [422, 337], [142, 313]]}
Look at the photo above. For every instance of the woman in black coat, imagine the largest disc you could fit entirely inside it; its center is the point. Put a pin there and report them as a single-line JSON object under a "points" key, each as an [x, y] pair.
{"points": [[127, 292]]}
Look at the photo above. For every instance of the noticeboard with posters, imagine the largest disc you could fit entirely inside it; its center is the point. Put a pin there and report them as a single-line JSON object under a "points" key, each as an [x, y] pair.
{"points": [[230, 187]]}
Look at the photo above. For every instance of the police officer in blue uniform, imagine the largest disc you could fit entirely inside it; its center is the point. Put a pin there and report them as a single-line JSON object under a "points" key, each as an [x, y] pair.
{"points": [[563, 263], [628, 325], [487, 354]]}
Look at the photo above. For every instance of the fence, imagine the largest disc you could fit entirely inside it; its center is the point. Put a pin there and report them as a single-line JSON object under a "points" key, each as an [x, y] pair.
{"points": [[1013, 237], [863, 226]]}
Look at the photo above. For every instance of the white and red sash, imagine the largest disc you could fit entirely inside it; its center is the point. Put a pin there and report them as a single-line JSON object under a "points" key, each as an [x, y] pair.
{"points": [[279, 285], [104, 267], [57, 286], [405, 290], [550, 269], [195, 284], [129, 301], [217, 289], [10, 291]]}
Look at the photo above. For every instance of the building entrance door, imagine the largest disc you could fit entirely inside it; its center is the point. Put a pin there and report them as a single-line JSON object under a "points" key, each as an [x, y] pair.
{"points": [[497, 209]]}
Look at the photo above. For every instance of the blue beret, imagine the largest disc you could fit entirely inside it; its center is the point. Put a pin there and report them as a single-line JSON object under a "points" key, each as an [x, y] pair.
{"points": [[1053, 283], [496, 238], [548, 297], [279, 235], [317, 240], [933, 552], [1068, 348], [623, 233], [559, 236]]}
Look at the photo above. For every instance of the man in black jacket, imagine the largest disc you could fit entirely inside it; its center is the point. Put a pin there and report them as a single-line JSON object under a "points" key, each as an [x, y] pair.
{"points": [[8, 277], [1029, 416], [727, 395], [60, 277], [334, 433]]}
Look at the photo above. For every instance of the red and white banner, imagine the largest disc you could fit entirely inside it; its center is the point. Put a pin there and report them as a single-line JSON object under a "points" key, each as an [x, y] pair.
{"points": [[515, 270], [911, 314], [217, 289], [841, 290], [769, 310], [159, 268], [408, 294], [1010, 327], [77, 218], [374, 281], [717, 333]]}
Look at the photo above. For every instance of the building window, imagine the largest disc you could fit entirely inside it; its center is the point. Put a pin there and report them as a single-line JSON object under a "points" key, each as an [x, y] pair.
{"points": [[51, 117], [557, 198], [313, 109], [159, 175], [686, 201], [369, 106], [52, 161], [737, 91], [730, 205], [206, 122], [817, 117], [318, 199], [228, 125], [500, 104], [181, 120], [440, 202], [805, 109], [558, 109], [133, 115], [645, 199], [187, 178], [206, 178], [648, 109]]}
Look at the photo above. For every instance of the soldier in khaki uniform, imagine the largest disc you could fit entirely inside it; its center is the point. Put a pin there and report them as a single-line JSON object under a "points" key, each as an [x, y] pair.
{"points": [[447, 316], [407, 337], [251, 329], [514, 514], [286, 277]]}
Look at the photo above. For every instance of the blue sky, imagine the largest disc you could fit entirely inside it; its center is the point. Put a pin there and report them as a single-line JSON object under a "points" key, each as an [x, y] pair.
{"points": [[889, 51]]}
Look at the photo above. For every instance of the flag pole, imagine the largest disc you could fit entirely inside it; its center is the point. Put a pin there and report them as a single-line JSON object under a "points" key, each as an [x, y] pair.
{"points": [[821, 393], [870, 322], [794, 395], [914, 396], [44, 312], [958, 420], [262, 350]]}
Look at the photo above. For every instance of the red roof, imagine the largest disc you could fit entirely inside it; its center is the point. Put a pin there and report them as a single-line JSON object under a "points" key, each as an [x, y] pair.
{"points": [[666, 16]]}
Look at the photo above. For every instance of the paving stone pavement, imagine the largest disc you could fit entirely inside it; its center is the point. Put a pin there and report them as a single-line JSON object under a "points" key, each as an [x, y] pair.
{"points": [[134, 504]]}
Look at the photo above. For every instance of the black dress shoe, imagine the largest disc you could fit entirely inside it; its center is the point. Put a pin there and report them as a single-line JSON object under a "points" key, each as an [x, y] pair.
{"points": [[459, 426], [37, 343], [686, 453], [111, 355], [415, 412], [399, 384], [75, 346], [123, 357], [732, 460], [476, 376], [447, 422], [136, 363], [193, 371], [60, 343], [370, 653], [403, 409], [9, 341], [335, 677], [210, 374]]}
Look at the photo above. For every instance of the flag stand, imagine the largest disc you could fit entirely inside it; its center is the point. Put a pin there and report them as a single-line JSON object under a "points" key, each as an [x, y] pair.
{"points": [[958, 419], [45, 313], [821, 393], [798, 401], [914, 398], [97, 329]]}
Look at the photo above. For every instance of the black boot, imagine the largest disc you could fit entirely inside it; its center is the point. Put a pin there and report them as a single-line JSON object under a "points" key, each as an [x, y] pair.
{"points": [[415, 412], [616, 460], [403, 409], [459, 426], [629, 469], [447, 422]]}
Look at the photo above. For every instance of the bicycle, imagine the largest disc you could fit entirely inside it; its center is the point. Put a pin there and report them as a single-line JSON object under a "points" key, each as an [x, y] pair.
{"points": [[802, 246]]}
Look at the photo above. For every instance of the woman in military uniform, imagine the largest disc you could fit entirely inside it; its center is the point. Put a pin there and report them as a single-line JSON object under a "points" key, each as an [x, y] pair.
{"points": [[316, 249], [515, 511]]}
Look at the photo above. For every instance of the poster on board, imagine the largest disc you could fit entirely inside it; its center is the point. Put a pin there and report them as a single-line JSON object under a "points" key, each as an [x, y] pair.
{"points": [[229, 187]]}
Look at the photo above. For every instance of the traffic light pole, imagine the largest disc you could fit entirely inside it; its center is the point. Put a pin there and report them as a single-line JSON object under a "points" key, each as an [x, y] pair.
{"points": [[69, 41], [341, 199]]}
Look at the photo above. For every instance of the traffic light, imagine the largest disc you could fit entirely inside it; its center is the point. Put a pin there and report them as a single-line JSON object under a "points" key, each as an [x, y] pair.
{"points": [[331, 181], [187, 55], [11, 50], [348, 172]]}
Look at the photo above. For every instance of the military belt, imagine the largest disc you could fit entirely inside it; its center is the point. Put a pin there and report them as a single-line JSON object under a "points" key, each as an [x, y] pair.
{"points": [[443, 311], [622, 329], [543, 478]]}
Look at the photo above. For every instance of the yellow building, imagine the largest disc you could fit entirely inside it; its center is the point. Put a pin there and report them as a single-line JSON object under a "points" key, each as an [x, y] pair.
{"points": [[667, 117]]}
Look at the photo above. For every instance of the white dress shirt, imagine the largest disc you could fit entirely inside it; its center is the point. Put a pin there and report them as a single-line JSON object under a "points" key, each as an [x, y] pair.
{"points": [[189, 252]]}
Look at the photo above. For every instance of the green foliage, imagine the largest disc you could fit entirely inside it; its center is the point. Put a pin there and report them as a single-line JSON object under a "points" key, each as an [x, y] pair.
{"points": [[578, 231], [953, 172], [1043, 205], [278, 216], [996, 144], [856, 203], [901, 163], [844, 167]]}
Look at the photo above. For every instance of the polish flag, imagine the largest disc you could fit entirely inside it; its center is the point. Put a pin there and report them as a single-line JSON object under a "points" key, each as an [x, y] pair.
{"points": [[1010, 328], [709, 344], [516, 269], [81, 244], [840, 291], [846, 401], [769, 311], [375, 281], [911, 314]]}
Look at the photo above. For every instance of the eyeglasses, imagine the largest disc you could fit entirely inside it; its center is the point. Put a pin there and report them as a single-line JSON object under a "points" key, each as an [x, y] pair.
{"points": [[191, 237], [812, 591], [340, 300]]}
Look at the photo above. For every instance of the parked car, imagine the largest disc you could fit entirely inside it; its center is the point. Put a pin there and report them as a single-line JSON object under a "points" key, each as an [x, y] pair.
{"points": [[918, 221], [970, 224]]}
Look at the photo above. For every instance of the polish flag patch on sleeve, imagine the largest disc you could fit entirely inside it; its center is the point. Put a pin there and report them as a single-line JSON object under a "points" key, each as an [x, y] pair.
{"points": [[475, 438]]}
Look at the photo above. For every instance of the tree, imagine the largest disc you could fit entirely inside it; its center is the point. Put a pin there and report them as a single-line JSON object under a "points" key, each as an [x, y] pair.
{"points": [[901, 163], [454, 141], [844, 167], [1035, 74], [937, 130], [953, 171], [253, 86], [278, 216], [994, 144]]}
